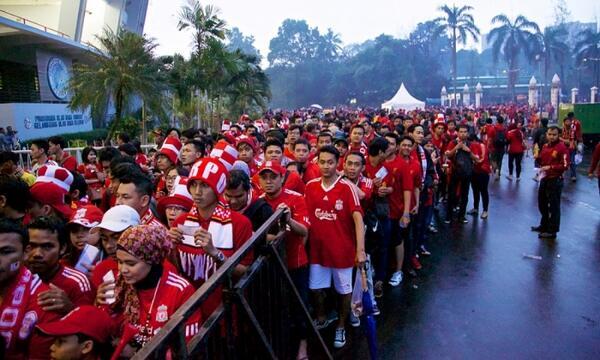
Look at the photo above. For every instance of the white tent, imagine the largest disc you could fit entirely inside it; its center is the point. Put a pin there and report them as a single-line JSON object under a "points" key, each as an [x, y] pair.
{"points": [[403, 100]]}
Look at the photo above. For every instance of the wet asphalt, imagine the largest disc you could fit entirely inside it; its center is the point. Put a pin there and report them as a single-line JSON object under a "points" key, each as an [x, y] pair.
{"points": [[477, 297]]}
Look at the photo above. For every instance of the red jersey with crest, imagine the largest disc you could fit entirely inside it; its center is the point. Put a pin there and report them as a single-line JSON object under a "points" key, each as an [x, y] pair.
{"points": [[407, 173], [75, 284], [20, 313], [150, 219], [362, 148], [171, 292], [296, 253], [332, 238]]}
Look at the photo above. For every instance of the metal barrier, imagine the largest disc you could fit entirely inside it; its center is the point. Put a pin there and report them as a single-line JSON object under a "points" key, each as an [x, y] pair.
{"points": [[253, 321], [25, 155]]}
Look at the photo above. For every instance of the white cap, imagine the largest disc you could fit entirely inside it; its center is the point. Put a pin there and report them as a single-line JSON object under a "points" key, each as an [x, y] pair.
{"points": [[118, 218]]}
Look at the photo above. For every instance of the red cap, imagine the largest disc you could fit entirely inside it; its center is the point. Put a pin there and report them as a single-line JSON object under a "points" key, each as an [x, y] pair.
{"points": [[248, 140], [87, 320], [87, 216], [274, 166], [53, 195]]}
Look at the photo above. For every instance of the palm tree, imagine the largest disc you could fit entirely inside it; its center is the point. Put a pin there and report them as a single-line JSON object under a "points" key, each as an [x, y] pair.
{"points": [[459, 24], [329, 46], [123, 67], [249, 88], [552, 48], [587, 50], [204, 21], [511, 38]]}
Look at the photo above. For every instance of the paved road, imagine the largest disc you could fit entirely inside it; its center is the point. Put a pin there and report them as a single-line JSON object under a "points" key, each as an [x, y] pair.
{"points": [[477, 297]]}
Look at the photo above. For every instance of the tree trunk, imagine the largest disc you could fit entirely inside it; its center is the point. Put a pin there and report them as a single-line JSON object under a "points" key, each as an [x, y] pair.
{"points": [[545, 81], [118, 114], [454, 65]]}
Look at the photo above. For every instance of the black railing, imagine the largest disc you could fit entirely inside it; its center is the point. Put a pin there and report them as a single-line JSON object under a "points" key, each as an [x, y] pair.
{"points": [[254, 320]]}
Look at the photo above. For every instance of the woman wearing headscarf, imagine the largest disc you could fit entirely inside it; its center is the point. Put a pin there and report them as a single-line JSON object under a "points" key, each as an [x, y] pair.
{"points": [[148, 291]]}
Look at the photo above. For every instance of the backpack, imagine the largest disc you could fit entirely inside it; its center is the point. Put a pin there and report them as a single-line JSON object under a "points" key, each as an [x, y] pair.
{"points": [[463, 164], [500, 140]]}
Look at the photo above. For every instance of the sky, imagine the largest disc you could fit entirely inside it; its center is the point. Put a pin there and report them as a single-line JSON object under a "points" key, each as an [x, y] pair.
{"points": [[355, 21]]}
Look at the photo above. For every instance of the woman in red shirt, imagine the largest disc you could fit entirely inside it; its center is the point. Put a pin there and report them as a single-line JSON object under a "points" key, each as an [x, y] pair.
{"points": [[480, 177], [516, 149], [93, 174]]}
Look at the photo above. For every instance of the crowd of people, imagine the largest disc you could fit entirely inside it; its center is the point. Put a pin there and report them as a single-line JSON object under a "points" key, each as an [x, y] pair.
{"points": [[96, 255]]}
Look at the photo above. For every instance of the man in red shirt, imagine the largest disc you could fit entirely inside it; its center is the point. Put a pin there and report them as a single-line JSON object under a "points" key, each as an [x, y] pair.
{"points": [[211, 232], [573, 127], [56, 146], [336, 238], [271, 176], [554, 161], [68, 287], [497, 141], [308, 169], [136, 192], [294, 133], [463, 159], [357, 135], [274, 152], [19, 307]]}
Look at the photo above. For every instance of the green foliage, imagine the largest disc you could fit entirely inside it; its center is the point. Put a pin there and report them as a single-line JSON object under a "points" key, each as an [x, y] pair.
{"points": [[238, 41], [123, 68], [204, 23]]}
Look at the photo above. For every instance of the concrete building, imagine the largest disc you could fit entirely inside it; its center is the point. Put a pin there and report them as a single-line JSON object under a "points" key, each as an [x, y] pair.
{"points": [[40, 40]]}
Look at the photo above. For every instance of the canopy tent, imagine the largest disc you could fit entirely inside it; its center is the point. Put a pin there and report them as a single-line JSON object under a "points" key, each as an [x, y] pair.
{"points": [[403, 100]]}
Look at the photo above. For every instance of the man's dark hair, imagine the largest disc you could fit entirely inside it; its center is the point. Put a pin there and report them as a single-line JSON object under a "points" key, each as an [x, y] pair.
{"points": [[412, 141], [544, 122], [302, 141], [11, 227], [570, 114], [296, 127], [129, 149], [251, 126], [500, 120], [378, 145], [237, 178], [41, 144], [553, 127], [108, 153], [277, 134], [462, 126], [361, 156], [15, 191], [189, 133], [58, 140], [273, 142], [358, 126], [330, 149], [78, 184], [411, 129], [392, 135], [123, 167], [143, 184], [488, 120], [52, 224], [173, 129], [6, 156], [198, 145], [123, 137]]}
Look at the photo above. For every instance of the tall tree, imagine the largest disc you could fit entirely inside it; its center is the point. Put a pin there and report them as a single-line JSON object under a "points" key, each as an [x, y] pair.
{"points": [[552, 48], [294, 44], [458, 24], [204, 22], [587, 52], [123, 68], [238, 41], [511, 38]]}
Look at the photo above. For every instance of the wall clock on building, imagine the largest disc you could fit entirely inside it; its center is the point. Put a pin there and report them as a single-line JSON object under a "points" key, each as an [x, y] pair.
{"points": [[58, 78]]}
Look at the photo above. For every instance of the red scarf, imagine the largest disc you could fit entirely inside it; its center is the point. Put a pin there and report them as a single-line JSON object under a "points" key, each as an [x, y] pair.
{"points": [[220, 226]]}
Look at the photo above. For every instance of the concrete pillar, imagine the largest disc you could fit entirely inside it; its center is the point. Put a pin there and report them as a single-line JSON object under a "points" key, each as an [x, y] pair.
{"points": [[466, 96], [478, 94], [574, 93], [554, 94], [594, 94], [532, 95], [444, 96]]}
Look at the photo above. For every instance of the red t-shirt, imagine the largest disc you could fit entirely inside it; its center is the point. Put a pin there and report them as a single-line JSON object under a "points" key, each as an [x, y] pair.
{"points": [[19, 313], [332, 238], [362, 148], [102, 268], [515, 142], [296, 253], [197, 266], [480, 150], [69, 162], [408, 177], [293, 182], [556, 156], [289, 154], [366, 186], [90, 172], [75, 284], [311, 172]]}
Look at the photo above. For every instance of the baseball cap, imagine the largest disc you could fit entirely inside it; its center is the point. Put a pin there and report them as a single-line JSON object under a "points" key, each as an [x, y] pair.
{"points": [[118, 218], [274, 166], [340, 139], [47, 193], [87, 216], [87, 320]]}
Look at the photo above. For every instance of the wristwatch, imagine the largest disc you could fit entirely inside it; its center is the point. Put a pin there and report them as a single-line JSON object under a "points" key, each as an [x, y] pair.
{"points": [[220, 257]]}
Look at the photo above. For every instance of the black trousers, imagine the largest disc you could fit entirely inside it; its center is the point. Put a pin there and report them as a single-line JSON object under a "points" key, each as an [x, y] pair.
{"points": [[515, 159], [461, 185], [497, 157], [549, 203], [479, 184]]}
